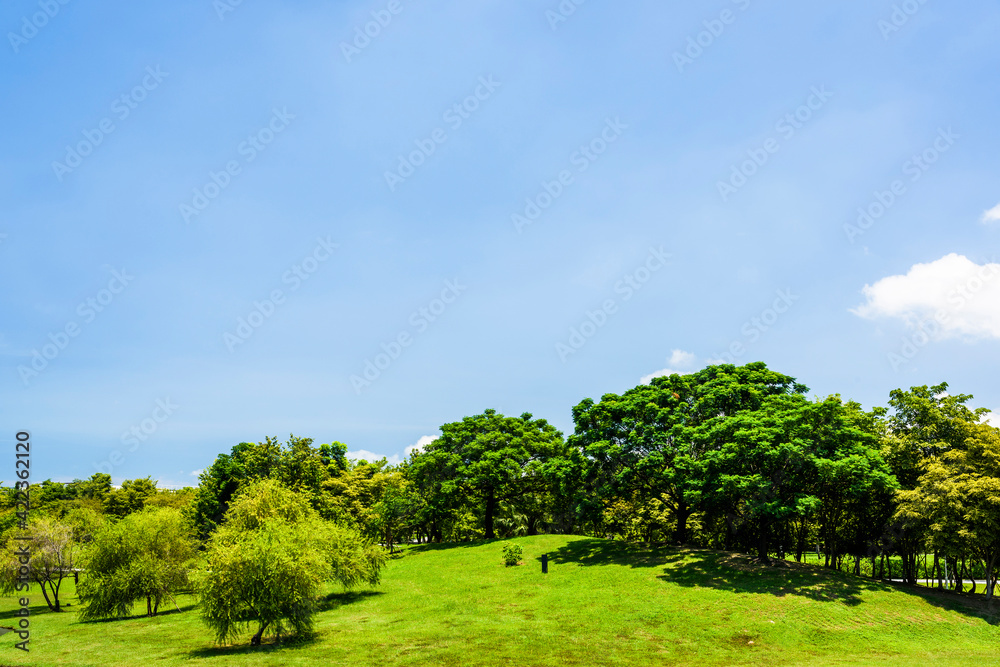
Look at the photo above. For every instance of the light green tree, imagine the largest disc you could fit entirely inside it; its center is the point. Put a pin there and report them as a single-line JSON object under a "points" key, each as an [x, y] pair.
{"points": [[145, 555], [267, 563], [54, 553]]}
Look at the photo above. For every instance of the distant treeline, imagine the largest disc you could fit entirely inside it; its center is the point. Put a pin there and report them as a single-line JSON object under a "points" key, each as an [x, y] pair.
{"points": [[730, 457]]}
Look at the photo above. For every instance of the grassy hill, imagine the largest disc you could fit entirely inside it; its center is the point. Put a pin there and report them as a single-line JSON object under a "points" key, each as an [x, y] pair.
{"points": [[602, 603]]}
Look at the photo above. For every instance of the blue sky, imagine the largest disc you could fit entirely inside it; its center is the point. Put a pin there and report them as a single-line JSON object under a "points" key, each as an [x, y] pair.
{"points": [[226, 221]]}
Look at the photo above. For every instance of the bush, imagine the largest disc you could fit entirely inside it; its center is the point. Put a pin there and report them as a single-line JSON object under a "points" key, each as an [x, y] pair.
{"points": [[511, 554]]}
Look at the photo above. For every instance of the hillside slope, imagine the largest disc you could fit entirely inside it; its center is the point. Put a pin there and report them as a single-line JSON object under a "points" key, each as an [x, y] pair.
{"points": [[602, 603]]}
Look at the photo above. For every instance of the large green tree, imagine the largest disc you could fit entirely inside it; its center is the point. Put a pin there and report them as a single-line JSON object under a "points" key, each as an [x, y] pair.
{"points": [[487, 459], [650, 443], [297, 464]]}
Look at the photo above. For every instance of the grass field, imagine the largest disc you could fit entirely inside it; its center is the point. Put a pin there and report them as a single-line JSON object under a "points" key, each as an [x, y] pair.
{"points": [[602, 603]]}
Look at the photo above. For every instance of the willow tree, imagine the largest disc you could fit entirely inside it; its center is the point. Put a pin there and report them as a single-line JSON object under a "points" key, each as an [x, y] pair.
{"points": [[267, 563], [53, 557], [145, 556]]}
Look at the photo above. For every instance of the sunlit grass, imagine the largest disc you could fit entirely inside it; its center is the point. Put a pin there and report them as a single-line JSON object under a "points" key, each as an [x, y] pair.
{"points": [[602, 603]]}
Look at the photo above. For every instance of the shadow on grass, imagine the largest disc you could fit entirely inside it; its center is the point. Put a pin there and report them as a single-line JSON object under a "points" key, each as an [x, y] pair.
{"points": [[698, 568], [292, 643], [75, 607], [595, 551], [335, 600], [445, 546], [172, 611]]}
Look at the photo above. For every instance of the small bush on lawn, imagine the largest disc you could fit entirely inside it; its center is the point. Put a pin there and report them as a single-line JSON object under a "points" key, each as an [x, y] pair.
{"points": [[511, 554]]}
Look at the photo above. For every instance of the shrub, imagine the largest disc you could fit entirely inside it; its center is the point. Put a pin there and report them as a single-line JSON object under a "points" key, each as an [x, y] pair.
{"points": [[511, 554]]}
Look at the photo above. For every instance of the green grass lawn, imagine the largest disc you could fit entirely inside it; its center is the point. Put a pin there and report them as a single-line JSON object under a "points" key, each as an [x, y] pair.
{"points": [[602, 603]]}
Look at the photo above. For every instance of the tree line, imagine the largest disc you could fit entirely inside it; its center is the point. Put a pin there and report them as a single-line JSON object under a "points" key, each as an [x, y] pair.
{"points": [[730, 457]]}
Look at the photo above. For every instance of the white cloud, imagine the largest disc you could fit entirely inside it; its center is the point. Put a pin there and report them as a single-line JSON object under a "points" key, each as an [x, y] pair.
{"points": [[992, 215], [196, 473], [372, 457], [646, 379], [993, 418], [421, 443], [395, 459], [678, 358], [682, 359], [950, 297]]}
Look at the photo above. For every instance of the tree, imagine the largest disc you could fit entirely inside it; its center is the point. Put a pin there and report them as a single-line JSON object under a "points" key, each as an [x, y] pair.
{"points": [[53, 558], [297, 464], [925, 423], [267, 562], [395, 511], [763, 467], [145, 555], [488, 459], [957, 498], [651, 442], [793, 458], [130, 497]]}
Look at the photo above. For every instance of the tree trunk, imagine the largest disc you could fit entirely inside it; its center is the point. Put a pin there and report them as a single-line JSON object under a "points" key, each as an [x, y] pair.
{"points": [[762, 546], [681, 533], [491, 508], [45, 592], [149, 606], [255, 640]]}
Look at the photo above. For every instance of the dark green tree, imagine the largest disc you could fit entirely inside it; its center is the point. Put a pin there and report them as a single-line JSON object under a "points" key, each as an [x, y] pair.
{"points": [[650, 443], [487, 459]]}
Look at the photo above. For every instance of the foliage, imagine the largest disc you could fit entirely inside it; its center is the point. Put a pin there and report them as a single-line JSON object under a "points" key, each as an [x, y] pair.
{"points": [[267, 563], [53, 552], [145, 555], [651, 442], [487, 459], [512, 553], [130, 497], [296, 464]]}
